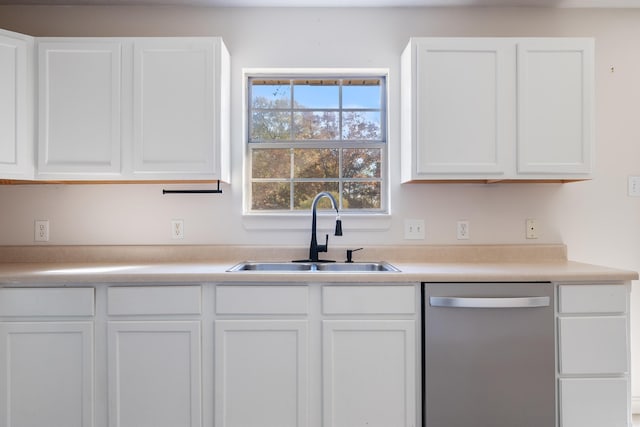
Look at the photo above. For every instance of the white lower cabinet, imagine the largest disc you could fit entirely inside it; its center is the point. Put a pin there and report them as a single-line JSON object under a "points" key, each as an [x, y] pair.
{"points": [[154, 374], [46, 374], [46, 359], [593, 355], [369, 353], [369, 374], [261, 373], [334, 355], [154, 350]]}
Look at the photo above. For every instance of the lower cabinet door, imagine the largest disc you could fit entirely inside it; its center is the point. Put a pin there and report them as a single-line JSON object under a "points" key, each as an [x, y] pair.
{"points": [[261, 373], [369, 373], [594, 402], [154, 374], [46, 374]]}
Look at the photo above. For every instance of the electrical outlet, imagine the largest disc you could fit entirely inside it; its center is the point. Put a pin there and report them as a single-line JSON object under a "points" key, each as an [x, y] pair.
{"points": [[177, 229], [634, 186], [463, 230], [532, 228], [41, 231], [414, 229]]}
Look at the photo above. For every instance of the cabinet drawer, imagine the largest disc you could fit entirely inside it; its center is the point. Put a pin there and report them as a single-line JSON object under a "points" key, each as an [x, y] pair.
{"points": [[593, 345], [247, 299], [47, 302], [346, 299], [592, 299], [153, 300], [594, 402]]}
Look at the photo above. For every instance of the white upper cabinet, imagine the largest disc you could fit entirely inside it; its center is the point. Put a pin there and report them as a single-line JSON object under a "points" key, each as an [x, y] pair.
{"points": [[555, 103], [16, 115], [497, 109], [133, 109], [80, 108], [180, 120], [461, 108]]}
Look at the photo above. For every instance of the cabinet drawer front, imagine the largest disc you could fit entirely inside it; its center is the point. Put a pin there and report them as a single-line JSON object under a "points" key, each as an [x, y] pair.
{"points": [[47, 302], [592, 299], [247, 299], [593, 345], [345, 299], [594, 402], [142, 300]]}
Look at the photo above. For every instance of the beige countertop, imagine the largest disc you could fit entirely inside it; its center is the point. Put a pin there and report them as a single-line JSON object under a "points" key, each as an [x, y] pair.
{"points": [[199, 264]]}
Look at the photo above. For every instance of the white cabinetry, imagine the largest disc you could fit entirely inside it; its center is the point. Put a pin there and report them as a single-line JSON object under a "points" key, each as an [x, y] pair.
{"points": [[369, 356], [180, 116], [80, 108], [16, 104], [46, 357], [133, 109], [319, 354], [489, 109], [261, 356], [593, 355], [154, 364]]}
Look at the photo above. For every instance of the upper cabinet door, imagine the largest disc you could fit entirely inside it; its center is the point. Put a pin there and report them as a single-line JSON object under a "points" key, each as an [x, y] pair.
{"points": [[497, 109], [462, 95], [16, 136], [80, 109], [555, 102], [177, 108]]}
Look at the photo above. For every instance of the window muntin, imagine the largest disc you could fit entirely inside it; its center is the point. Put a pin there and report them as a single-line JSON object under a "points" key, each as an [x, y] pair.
{"points": [[312, 134]]}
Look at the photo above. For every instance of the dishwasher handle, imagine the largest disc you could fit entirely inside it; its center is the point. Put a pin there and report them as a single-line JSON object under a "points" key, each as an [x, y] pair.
{"points": [[511, 302]]}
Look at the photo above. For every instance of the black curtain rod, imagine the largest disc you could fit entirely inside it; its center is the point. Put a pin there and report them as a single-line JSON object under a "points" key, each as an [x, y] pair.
{"points": [[218, 191]]}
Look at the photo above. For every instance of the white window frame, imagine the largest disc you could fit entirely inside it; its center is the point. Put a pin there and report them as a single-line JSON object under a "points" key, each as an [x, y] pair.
{"points": [[362, 219]]}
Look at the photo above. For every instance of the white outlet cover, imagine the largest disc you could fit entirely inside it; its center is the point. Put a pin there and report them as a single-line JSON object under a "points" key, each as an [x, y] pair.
{"points": [[41, 231], [634, 186], [177, 229]]}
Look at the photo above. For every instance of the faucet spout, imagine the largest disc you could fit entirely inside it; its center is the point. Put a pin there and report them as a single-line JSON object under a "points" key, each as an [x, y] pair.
{"points": [[314, 247]]}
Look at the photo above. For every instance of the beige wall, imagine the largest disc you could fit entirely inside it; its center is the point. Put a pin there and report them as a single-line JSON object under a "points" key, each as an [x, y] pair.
{"points": [[596, 219]]}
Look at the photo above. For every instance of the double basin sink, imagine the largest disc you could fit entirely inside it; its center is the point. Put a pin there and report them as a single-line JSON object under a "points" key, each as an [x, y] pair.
{"points": [[299, 267]]}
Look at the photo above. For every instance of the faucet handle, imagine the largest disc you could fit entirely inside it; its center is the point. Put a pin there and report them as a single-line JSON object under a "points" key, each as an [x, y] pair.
{"points": [[325, 247], [350, 254]]}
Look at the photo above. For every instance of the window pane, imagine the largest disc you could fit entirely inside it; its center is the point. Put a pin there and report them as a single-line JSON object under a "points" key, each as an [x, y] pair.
{"points": [[363, 95], [316, 125], [315, 163], [304, 192], [361, 195], [271, 163], [270, 126], [264, 95], [361, 125], [270, 195], [315, 94], [361, 162]]}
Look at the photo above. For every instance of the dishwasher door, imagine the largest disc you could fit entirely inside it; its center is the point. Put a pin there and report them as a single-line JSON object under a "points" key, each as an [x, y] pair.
{"points": [[489, 355]]}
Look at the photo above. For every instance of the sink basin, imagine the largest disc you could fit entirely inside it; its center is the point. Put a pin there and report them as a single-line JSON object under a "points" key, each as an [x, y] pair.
{"points": [[272, 266], [294, 267], [356, 267]]}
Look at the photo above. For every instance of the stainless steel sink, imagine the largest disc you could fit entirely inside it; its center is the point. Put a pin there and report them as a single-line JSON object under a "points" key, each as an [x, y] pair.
{"points": [[294, 267], [272, 266], [356, 267]]}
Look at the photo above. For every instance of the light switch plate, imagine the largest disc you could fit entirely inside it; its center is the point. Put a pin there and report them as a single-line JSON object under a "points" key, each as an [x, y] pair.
{"points": [[414, 229], [634, 186]]}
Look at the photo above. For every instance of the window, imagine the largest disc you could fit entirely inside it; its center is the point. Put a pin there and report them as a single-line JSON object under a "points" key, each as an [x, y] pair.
{"points": [[308, 134]]}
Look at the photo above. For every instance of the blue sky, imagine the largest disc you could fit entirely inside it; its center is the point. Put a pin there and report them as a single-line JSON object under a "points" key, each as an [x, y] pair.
{"points": [[312, 96]]}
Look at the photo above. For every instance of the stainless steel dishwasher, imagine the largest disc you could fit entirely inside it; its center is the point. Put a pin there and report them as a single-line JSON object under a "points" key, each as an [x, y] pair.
{"points": [[488, 355]]}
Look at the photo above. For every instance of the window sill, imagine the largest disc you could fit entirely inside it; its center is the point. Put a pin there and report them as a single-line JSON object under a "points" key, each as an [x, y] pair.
{"points": [[326, 221]]}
